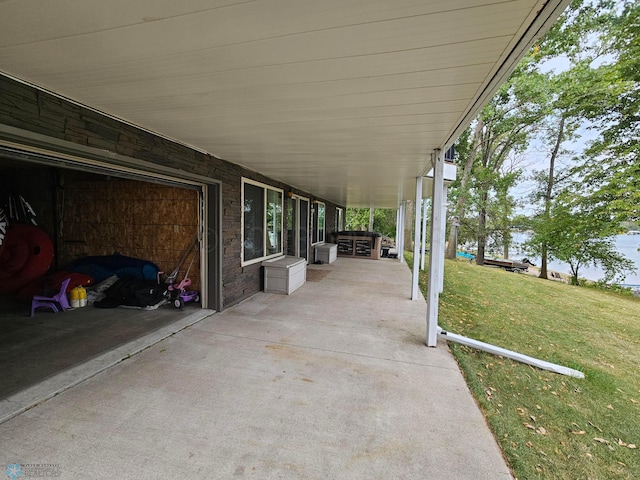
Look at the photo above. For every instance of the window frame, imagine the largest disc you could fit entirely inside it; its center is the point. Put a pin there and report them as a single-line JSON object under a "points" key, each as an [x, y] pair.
{"points": [[339, 219], [315, 223], [265, 189]]}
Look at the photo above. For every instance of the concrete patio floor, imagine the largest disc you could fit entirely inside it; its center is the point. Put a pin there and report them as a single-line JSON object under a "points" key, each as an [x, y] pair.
{"points": [[331, 382]]}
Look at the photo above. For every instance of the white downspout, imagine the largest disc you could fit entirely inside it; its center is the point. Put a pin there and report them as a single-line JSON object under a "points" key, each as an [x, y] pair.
{"points": [[436, 255], [519, 357], [416, 241]]}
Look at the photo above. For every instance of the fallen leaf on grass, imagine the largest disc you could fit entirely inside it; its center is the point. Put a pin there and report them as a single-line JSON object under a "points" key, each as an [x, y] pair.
{"points": [[633, 400], [528, 444], [595, 426], [628, 445], [529, 426], [610, 407], [601, 440], [541, 431], [579, 432]]}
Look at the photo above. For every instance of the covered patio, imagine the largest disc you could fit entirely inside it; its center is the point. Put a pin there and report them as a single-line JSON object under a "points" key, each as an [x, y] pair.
{"points": [[332, 381], [331, 104], [347, 104]]}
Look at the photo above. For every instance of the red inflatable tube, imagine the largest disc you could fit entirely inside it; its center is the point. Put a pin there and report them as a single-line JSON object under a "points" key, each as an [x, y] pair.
{"points": [[27, 255]]}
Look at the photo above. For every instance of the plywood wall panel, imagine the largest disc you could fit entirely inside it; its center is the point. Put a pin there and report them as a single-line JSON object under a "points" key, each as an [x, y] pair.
{"points": [[137, 219]]}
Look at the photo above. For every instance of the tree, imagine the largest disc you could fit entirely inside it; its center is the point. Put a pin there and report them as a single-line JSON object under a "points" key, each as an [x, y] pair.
{"points": [[559, 126], [580, 238], [357, 218], [588, 38], [465, 157], [600, 89], [504, 210], [384, 220], [506, 126], [605, 38]]}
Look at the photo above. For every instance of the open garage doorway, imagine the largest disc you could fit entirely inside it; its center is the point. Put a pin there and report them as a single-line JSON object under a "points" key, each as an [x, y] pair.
{"points": [[91, 210]]}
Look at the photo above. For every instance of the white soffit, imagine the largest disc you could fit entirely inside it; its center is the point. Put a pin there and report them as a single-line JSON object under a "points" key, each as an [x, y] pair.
{"points": [[345, 99]]}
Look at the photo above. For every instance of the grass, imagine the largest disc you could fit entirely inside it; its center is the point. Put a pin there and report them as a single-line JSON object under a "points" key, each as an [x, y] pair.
{"points": [[549, 425]]}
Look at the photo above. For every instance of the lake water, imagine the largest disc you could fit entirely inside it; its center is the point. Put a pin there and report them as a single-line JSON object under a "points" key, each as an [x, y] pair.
{"points": [[627, 245]]}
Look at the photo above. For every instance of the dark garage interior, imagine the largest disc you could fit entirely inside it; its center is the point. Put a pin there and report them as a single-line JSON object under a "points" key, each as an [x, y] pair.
{"points": [[85, 215]]}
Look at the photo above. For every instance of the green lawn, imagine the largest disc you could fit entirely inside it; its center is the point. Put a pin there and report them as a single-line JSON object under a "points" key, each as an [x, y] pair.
{"points": [[549, 425]]}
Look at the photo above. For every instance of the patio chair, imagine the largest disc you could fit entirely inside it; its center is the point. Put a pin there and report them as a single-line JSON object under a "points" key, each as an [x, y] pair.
{"points": [[58, 302]]}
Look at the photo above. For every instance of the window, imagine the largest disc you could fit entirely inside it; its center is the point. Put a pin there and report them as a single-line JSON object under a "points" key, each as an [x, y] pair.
{"points": [[339, 219], [261, 222], [317, 222]]}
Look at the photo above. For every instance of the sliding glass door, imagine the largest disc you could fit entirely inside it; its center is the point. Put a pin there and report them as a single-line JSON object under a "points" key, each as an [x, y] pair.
{"points": [[298, 226]]}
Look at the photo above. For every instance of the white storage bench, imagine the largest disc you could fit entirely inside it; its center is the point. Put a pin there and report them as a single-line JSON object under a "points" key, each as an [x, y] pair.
{"points": [[326, 253], [284, 274]]}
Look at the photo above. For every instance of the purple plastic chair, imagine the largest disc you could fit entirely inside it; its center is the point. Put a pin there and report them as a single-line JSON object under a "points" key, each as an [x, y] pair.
{"points": [[56, 303]]}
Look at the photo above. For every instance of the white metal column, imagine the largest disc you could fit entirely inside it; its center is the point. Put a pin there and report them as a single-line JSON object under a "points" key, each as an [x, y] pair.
{"points": [[444, 229], [400, 245], [397, 226], [436, 255], [416, 241], [424, 234]]}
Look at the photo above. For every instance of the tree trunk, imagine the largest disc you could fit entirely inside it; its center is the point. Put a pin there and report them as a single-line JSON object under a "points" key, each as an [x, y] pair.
{"points": [[409, 213], [371, 211], [452, 246], [543, 263], [482, 228], [547, 198]]}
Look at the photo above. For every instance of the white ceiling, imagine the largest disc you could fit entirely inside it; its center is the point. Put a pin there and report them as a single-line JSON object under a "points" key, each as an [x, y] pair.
{"points": [[345, 99]]}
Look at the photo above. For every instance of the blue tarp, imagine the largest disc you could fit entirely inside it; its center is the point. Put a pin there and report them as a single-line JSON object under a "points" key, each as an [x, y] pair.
{"points": [[103, 267]]}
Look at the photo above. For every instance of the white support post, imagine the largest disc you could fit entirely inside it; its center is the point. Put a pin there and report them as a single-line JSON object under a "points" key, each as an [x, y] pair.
{"points": [[424, 234], [415, 290], [397, 225], [444, 230], [436, 255], [400, 246]]}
